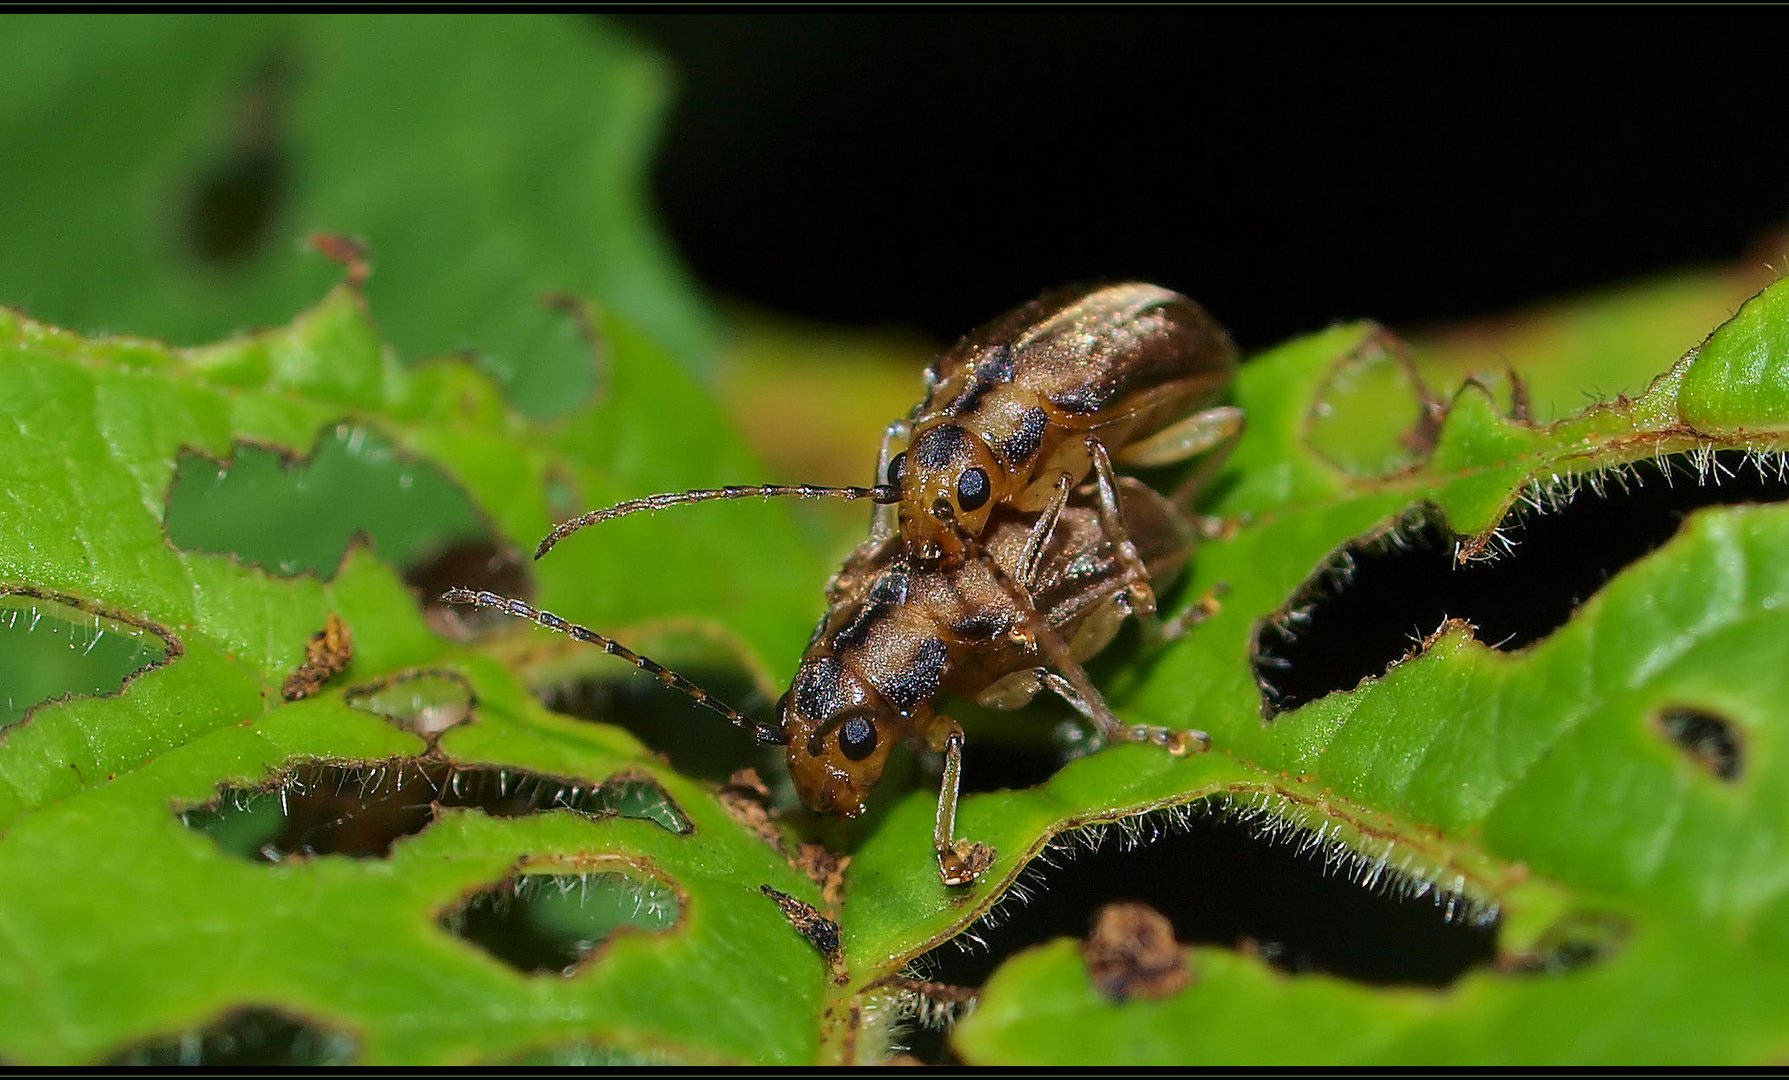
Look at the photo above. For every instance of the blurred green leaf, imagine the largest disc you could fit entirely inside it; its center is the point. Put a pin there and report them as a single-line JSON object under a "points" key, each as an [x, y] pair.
{"points": [[165, 168]]}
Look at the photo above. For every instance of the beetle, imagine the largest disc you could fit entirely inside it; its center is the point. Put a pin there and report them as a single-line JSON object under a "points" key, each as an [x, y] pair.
{"points": [[1043, 592], [1023, 409]]}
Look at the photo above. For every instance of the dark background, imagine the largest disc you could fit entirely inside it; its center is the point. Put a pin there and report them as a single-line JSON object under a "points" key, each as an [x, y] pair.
{"points": [[1286, 166]]}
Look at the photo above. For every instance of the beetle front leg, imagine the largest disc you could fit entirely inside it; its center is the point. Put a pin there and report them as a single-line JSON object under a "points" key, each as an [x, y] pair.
{"points": [[960, 862], [885, 516], [1025, 573]]}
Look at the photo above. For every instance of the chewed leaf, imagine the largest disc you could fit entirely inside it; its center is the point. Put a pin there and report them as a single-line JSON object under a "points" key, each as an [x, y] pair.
{"points": [[51, 650], [222, 711], [190, 200], [351, 483], [1494, 687], [1524, 669]]}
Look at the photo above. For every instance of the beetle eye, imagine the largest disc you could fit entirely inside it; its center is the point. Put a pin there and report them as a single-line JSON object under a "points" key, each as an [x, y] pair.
{"points": [[857, 737], [897, 468], [972, 490]]}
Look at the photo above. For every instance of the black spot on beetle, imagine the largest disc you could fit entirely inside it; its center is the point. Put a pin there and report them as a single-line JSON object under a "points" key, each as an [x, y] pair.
{"points": [[891, 588], [1021, 444], [940, 446], [1083, 400], [888, 593], [919, 680], [994, 369], [982, 625], [857, 631], [817, 693]]}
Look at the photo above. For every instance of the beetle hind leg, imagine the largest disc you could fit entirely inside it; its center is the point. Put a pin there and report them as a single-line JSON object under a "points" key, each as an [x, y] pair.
{"points": [[1176, 741]]}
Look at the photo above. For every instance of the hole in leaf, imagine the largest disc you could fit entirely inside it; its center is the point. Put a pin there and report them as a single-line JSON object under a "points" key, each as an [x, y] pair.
{"points": [[1008, 760], [1373, 416], [1378, 597], [694, 740], [470, 564], [1576, 941], [244, 1038], [51, 649], [1711, 741], [1222, 881], [426, 703], [294, 517], [238, 197], [361, 809], [554, 922]]}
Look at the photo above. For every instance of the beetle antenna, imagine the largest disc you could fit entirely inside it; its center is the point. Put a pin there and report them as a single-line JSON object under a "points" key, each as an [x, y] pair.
{"points": [[882, 493], [763, 732]]}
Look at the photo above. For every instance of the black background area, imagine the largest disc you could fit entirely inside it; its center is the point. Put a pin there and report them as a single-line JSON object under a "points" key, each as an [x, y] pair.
{"points": [[1287, 166]]}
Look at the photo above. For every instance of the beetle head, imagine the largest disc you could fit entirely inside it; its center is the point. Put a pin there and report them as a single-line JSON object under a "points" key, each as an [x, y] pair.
{"points": [[949, 481], [839, 736]]}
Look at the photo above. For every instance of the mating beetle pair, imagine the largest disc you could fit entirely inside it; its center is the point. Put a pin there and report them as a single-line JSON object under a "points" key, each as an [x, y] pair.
{"points": [[1005, 548]]}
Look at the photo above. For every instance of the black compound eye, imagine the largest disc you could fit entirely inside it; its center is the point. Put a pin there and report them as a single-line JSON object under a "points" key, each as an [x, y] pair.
{"points": [[972, 490], [897, 468], [857, 737]]}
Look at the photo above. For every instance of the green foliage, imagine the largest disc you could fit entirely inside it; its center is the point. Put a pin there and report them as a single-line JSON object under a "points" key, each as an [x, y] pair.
{"points": [[166, 167], [1612, 792]]}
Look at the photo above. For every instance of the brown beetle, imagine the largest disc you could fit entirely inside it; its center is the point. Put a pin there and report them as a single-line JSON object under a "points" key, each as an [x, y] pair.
{"points": [[1021, 411], [1062, 386], [1047, 591]]}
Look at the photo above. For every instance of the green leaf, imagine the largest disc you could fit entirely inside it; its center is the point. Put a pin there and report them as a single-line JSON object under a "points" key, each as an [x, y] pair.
{"points": [[177, 162], [1554, 783], [221, 875], [188, 933]]}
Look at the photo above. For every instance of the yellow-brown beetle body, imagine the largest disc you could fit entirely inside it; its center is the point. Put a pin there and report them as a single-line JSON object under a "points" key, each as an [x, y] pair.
{"points": [[1023, 400], [901, 631], [1050, 590], [1021, 411], [1005, 547]]}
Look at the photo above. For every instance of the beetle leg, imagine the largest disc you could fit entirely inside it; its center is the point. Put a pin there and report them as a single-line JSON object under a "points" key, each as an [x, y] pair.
{"points": [[1217, 430], [1142, 596], [885, 516], [1186, 439], [1013, 691], [1173, 740], [1158, 630], [1025, 572], [960, 862]]}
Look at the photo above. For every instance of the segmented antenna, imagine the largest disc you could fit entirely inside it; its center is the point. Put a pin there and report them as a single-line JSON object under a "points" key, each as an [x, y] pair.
{"points": [[765, 733], [882, 493]]}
